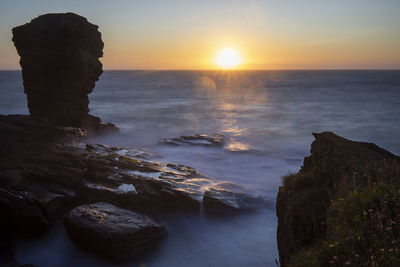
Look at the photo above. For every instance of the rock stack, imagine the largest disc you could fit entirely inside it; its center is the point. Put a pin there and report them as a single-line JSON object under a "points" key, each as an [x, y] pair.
{"points": [[60, 65]]}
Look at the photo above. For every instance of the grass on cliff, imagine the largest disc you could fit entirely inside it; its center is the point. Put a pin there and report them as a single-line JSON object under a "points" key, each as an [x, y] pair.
{"points": [[363, 229]]}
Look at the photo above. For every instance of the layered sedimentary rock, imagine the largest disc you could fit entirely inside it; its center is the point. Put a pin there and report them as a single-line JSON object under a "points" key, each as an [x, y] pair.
{"points": [[60, 65], [45, 171], [51, 165], [342, 207]]}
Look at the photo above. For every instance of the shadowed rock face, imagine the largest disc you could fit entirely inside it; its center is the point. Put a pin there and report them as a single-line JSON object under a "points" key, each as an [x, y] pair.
{"points": [[17, 210], [336, 168], [60, 65]]}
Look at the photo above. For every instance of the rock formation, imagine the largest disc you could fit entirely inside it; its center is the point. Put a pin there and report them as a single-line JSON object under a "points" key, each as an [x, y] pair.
{"points": [[60, 65], [227, 198], [325, 211], [215, 140], [46, 170], [111, 231]]}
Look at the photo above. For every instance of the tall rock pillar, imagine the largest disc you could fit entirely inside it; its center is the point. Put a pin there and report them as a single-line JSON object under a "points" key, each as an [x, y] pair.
{"points": [[60, 65]]}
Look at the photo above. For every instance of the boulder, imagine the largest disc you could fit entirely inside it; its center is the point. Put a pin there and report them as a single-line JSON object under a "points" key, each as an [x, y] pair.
{"points": [[60, 65], [110, 231]]}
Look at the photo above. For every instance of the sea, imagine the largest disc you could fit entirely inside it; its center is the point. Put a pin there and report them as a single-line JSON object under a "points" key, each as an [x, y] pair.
{"points": [[267, 119]]}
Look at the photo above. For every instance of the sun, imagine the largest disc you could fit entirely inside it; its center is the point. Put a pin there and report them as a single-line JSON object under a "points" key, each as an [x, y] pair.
{"points": [[228, 58]]}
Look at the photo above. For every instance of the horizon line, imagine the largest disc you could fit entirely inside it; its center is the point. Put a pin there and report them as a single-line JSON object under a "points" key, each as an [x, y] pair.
{"points": [[227, 70]]}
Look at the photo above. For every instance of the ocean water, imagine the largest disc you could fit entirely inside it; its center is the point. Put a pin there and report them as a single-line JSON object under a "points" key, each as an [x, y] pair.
{"points": [[267, 118]]}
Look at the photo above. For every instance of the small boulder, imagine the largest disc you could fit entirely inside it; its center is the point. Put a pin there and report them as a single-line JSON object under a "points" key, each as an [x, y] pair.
{"points": [[110, 231]]}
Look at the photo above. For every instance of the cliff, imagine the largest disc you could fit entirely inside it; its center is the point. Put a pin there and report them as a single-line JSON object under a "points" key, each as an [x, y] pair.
{"points": [[342, 207]]}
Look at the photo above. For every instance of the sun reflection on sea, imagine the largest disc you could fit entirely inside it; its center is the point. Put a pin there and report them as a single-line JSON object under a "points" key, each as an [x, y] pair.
{"points": [[231, 93], [237, 146], [232, 129]]}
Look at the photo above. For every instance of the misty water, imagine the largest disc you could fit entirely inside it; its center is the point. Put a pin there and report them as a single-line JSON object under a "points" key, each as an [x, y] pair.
{"points": [[267, 118]]}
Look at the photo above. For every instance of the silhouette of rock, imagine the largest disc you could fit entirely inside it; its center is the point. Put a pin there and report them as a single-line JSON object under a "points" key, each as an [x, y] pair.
{"points": [[60, 65], [113, 232]]}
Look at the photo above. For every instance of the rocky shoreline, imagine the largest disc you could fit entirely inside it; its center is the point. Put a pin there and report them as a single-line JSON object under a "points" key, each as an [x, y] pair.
{"points": [[47, 171], [49, 174]]}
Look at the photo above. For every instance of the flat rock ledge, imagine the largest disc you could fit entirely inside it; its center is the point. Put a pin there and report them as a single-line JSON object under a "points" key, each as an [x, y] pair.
{"points": [[110, 231]]}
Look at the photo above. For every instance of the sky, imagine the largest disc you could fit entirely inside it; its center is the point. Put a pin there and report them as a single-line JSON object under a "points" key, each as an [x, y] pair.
{"points": [[268, 34]]}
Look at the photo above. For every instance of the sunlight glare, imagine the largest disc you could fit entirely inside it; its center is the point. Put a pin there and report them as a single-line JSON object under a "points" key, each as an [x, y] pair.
{"points": [[228, 58]]}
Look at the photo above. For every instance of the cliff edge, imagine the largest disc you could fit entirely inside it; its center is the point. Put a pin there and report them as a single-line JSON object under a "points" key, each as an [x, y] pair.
{"points": [[342, 208]]}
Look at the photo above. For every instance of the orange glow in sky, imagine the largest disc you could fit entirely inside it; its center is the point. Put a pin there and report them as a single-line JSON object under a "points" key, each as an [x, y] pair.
{"points": [[174, 34]]}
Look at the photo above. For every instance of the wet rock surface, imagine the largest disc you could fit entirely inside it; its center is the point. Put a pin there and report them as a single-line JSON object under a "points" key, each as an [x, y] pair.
{"points": [[62, 171], [216, 140], [46, 170], [51, 165], [139, 183], [110, 231], [226, 198], [60, 65]]}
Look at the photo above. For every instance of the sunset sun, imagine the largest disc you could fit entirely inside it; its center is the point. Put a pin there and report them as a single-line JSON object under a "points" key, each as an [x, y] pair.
{"points": [[228, 58]]}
